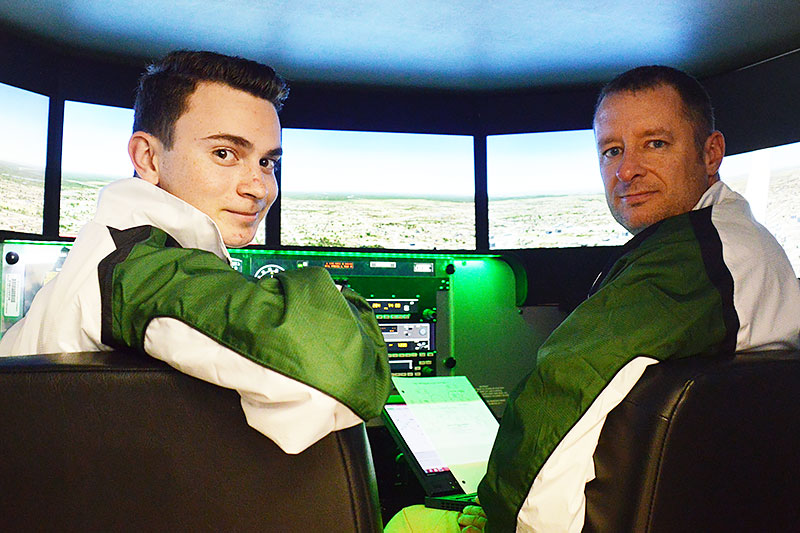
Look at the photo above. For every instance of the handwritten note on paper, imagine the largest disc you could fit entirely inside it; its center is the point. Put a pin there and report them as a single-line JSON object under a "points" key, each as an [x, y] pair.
{"points": [[456, 420]]}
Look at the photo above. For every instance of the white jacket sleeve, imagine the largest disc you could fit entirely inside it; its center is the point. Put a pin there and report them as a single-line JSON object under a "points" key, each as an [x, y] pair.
{"points": [[556, 502], [290, 413]]}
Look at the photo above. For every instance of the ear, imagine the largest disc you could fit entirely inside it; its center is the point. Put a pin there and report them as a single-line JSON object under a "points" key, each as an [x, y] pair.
{"points": [[713, 152], [145, 150]]}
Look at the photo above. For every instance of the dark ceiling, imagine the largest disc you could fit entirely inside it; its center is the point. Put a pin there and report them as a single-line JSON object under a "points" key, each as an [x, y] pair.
{"points": [[466, 44]]}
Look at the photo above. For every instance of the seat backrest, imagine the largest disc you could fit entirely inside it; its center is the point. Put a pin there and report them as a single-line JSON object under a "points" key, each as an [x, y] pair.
{"points": [[702, 444], [120, 442]]}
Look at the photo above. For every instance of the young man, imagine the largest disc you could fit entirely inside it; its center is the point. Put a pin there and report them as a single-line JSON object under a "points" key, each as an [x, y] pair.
{"points": [[699, 277], [151, 271]]}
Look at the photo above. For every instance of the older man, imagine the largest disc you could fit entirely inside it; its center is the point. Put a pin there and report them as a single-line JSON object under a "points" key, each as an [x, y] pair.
{"points": [[700, 276]]}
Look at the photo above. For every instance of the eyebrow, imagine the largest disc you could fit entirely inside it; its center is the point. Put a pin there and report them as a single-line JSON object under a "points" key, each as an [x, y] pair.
{"points": [[602, 141], [242, 143], [655, 132]]}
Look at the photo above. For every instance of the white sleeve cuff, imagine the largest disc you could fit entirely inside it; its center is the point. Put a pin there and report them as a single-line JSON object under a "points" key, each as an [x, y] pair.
{"points": [[290, 413]]}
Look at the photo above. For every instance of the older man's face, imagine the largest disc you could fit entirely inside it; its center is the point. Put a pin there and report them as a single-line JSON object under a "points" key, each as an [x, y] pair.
{"points": [[649, 160]]}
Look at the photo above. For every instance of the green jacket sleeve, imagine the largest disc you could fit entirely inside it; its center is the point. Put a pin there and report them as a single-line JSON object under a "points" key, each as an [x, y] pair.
{"points": [[660, 300], [298, 323]]}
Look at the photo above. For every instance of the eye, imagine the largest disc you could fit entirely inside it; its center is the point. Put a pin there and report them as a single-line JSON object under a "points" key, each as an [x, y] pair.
{"points": [[267, 163], [224, 154], [658, 143], [612, 152]]}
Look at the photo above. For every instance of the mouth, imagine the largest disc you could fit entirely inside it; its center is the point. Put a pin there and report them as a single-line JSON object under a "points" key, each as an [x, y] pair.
{"points": [[634, 198], [245, 216]]}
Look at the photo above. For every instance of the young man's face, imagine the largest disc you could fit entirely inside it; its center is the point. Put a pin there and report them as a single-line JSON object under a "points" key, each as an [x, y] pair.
{"points": [[222, 161], [649, 160]]}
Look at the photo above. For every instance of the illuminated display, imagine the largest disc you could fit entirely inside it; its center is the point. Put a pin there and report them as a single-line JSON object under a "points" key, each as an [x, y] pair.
{"points": [[107, 130], [545, 191], [394, 306], [387, 204], [424, 452], [408, 337], [401, 365], [339, 265], [770, 180], [23, 154], [267, 270], [383, 264]]}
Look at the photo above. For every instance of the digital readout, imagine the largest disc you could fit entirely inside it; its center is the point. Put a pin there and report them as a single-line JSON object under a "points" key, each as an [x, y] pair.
{"points": [[339, 265], [393, 306]]}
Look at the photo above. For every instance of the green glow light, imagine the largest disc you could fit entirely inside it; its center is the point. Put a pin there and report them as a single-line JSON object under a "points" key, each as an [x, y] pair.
{"points": [[366, 254], [313, 253], [55, 243]]}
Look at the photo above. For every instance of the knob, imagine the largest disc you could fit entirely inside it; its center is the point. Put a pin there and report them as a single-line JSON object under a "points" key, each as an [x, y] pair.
{"points": [[12, 258], [449, 362], [429, 314]]}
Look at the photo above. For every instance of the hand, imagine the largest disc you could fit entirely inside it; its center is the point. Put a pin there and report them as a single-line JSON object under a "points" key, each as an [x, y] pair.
{"points": [[472, 519]]}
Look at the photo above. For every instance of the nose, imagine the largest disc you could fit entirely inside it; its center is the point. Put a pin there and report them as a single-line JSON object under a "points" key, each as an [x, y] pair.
{"points": [[257, 184], [630, 166]]}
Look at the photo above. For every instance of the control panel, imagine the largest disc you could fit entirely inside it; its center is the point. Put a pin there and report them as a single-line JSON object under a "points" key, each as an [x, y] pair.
{"points": [[402, 289], [440, 313]]}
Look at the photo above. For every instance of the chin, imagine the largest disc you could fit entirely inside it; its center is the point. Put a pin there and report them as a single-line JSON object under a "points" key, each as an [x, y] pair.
{"points": [[636, 220], [237, 241]]}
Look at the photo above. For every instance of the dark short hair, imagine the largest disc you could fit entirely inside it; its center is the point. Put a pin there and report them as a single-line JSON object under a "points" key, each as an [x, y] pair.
{"points": [[696, 102], [163, 92]]}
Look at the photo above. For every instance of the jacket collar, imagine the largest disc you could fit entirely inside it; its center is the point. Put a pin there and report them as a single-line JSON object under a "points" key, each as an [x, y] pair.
{"points": [[134, 202]]}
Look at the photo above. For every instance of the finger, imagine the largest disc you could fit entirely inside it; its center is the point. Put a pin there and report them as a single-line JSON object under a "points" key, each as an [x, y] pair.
{"points": [[474, 509], [465, 519], [472, 520]]}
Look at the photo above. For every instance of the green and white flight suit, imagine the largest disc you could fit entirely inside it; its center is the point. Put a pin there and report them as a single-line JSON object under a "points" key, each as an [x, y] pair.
{"points": [[708, 281], [151, 272]]}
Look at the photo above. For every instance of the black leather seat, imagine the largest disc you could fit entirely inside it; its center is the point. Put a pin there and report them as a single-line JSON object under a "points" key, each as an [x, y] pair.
{"points": [[702, 445], [120, 442]]}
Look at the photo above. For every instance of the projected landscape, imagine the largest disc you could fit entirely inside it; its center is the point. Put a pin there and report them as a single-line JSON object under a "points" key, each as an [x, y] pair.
{"points": [[404, 223], [22, 193], [574, 220], [362, 189], [78, 201], [782, 217], [553, 221], [545, 192], [22, 190], [782, 213], [581, 220], [23, 147]]}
